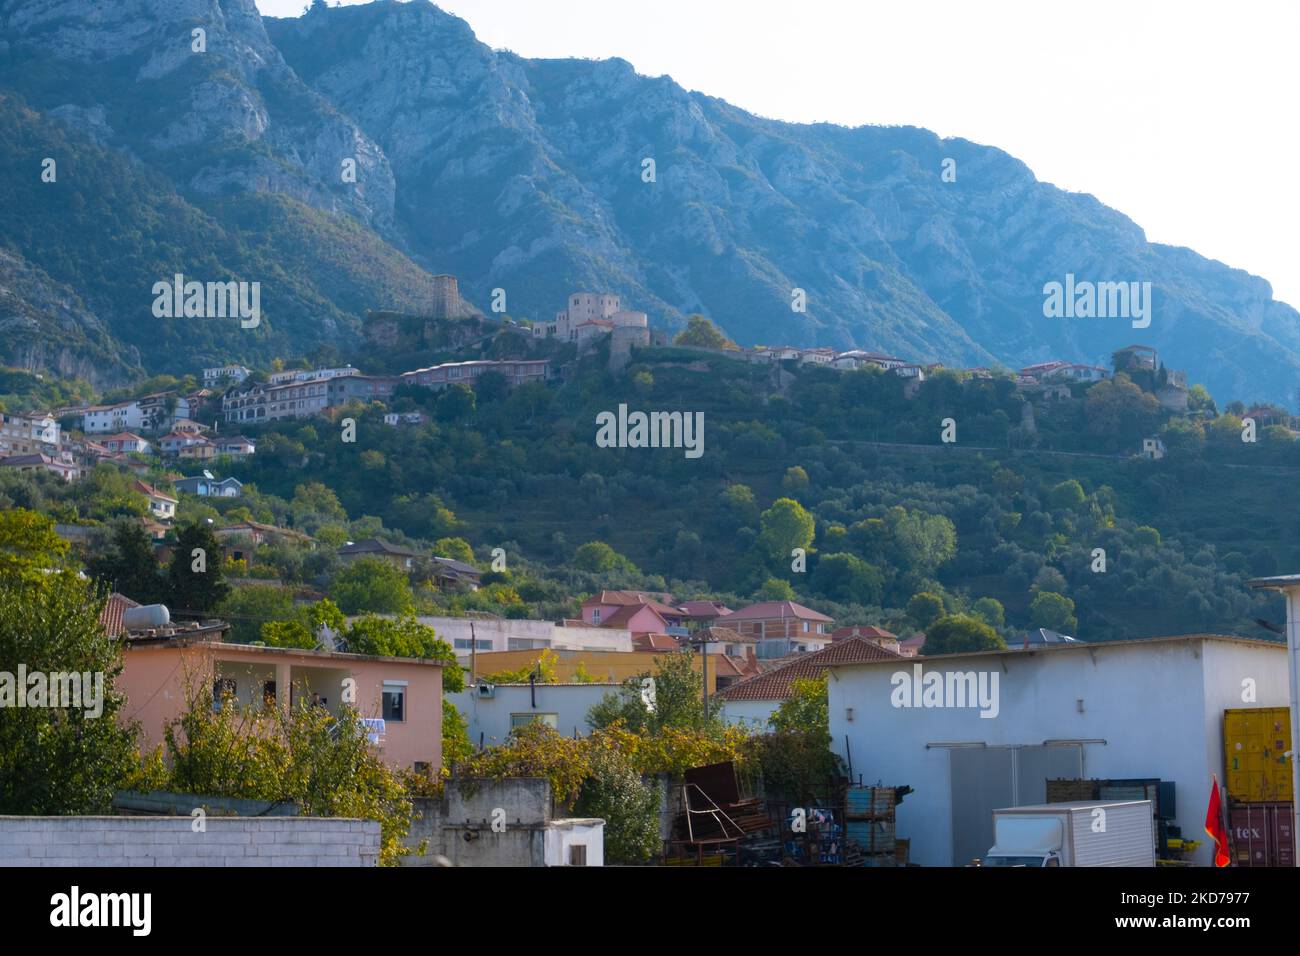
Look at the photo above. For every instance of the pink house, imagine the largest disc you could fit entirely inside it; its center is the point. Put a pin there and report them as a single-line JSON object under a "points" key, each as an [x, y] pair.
{"points": [[637, 611], [405, 693]]}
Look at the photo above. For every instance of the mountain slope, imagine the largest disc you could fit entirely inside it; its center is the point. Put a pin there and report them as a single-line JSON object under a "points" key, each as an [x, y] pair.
{"points": [[526, 175]]}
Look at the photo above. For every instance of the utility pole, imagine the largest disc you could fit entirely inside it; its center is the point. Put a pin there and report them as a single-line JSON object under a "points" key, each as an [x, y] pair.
{"points": [[1289, 585], [473, 655]]}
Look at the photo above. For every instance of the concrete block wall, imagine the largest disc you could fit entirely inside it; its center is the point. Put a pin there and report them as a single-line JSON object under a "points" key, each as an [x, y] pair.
{"points": [[169, 841]]}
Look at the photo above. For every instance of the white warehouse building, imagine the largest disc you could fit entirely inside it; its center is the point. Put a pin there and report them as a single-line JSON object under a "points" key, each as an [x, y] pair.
{"points": [[1150, 708]]}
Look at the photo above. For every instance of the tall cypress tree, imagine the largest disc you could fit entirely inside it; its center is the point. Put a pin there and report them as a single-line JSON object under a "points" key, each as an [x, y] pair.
{"points": [[196, 581]]}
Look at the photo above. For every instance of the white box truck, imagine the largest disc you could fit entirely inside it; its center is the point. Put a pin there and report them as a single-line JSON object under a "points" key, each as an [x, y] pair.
{"points": [[1081, 833]]}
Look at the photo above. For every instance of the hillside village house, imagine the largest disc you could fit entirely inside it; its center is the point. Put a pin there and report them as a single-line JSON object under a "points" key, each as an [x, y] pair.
{"points": [[450, 573], [64, 467], [781, 628], [1137, 709], [28, 434], [394, 554], [857, 358], [239, 541], [516, 373], [162, 506], [702, 613], [405, 694], [236, 446], [233, 374], [636, 611], [154, 412], [205, 486], [125, 443], [484, 635], [199, 450]]}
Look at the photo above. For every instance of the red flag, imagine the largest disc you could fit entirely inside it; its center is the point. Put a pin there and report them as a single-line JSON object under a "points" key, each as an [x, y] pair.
{"points": [[1214, 826]]}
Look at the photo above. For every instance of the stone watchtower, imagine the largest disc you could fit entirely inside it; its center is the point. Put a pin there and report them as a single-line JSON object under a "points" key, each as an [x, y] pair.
{"points": [[446, 302]]}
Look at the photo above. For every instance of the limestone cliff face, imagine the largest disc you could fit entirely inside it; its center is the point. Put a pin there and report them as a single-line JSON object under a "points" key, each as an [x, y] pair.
{"points": [[221, 110], [531, 176]]}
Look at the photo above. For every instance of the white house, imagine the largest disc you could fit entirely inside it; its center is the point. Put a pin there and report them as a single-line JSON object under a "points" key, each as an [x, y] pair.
{"points": [[493, 710], [523, 635], [231, 373], [1013, 719]]}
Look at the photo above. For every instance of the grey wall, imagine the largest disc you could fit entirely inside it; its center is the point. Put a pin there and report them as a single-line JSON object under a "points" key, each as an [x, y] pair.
{"points": [[171, 841], [458, 826]]}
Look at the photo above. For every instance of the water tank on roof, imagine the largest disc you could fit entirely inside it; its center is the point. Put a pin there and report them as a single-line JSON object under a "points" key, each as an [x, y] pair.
{"points": [[146, 617]]}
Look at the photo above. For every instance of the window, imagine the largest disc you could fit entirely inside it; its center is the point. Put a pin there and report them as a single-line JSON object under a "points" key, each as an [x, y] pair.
{"points": [[523, 720], [465, 644], [805, 627], [595, 616], [394, 701], [578, 854], [527, 644], [222, 688]]}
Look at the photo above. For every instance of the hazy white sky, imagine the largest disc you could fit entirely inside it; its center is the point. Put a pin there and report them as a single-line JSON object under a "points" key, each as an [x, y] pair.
{"points": [[1179, 113]]}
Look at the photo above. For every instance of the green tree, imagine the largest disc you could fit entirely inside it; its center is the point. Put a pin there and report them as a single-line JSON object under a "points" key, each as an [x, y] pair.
{"points": [[303, 755], [848, 579], [613, 791], [807, 709], [457, 548], [924, 609], [678, 699], [774, 589], [990, 611], [29, 545], [372, 585], [795, 481], [288, 634], [1067, 496], [404, 637], [1052, 611], [251, 606], [57, 760], [701, 333], [959, 633], [783, 527], [196, 582], [599, 557], [128, 564]]}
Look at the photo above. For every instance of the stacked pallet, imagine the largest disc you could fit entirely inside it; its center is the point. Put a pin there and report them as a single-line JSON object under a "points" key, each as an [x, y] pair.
{"points": [[869, 816]]}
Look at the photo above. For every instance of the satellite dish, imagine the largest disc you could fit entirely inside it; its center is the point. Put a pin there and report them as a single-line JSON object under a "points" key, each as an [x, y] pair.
{"points": [[207, 474]]}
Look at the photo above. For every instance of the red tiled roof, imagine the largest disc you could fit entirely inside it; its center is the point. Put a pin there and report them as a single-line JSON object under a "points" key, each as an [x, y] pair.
{"points": [[723, 635], [624, 614], [654, 642], [147, 489], [705, 608], [772, 610], [862, 630], [111, 616], [779, 684], [632, 599]]}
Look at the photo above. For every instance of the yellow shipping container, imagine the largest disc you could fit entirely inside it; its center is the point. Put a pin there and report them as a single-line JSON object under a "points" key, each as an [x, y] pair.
{"points": [[1256, 741]]}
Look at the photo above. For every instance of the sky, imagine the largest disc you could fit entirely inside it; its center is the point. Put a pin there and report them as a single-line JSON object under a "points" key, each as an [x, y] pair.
{"points": [[1179, 113]]}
